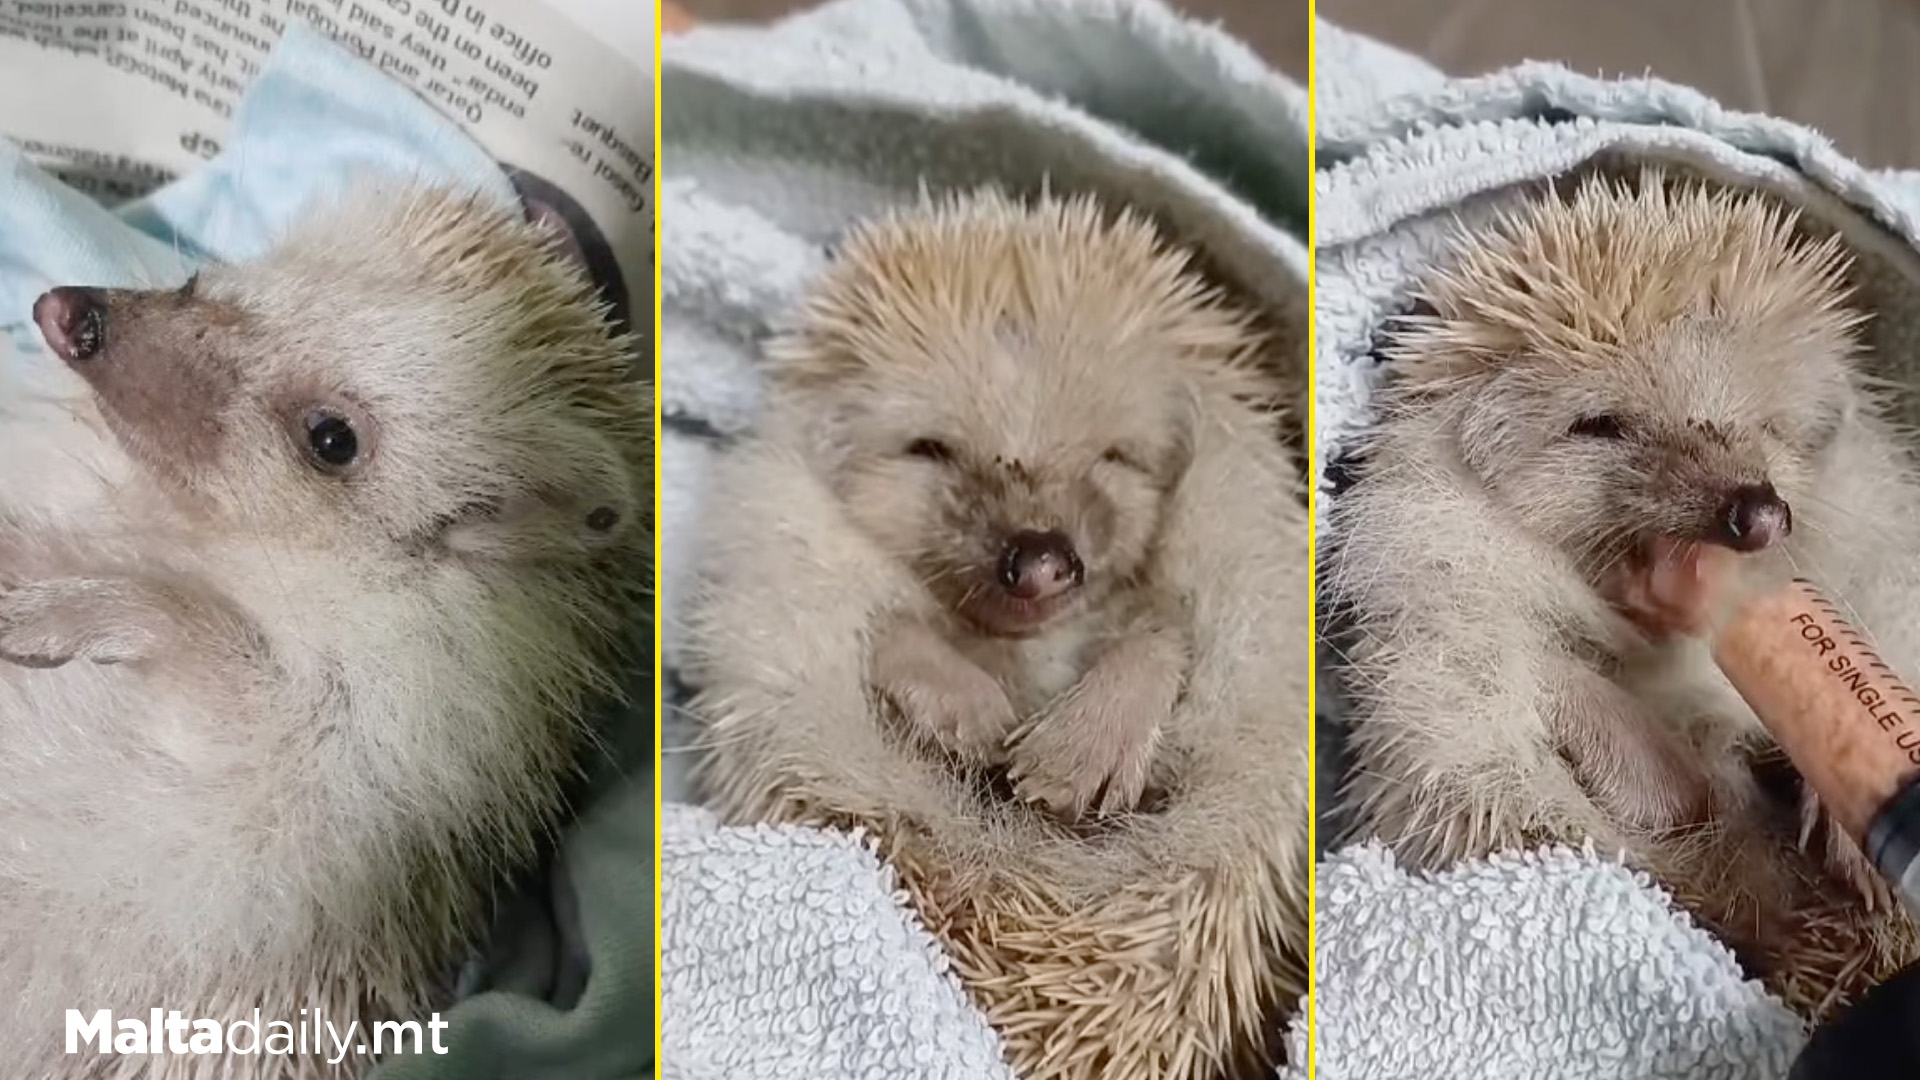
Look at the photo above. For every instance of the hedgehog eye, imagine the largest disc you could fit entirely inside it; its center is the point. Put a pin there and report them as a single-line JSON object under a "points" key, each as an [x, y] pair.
{"points": [[1603, 426], [931, 449], [331, 439], [1117, 456]]}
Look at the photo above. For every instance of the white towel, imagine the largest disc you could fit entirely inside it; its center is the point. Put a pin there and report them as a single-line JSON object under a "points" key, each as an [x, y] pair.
{"points": [[787, 952], [774, 141], [1547, 964], [1559, 965]]}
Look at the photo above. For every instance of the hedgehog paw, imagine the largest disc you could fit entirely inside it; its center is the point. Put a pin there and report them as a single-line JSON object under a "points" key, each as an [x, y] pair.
{"points": [[945, 698], [49, 623], [1840, 855], [1091, 754]]}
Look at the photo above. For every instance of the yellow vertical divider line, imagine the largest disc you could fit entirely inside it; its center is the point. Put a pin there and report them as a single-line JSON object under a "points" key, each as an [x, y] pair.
{"points": [[1313, 540], [659, 687]]}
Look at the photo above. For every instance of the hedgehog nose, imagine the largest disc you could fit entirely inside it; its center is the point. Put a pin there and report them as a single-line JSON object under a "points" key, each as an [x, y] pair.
{"points": [[73, 321], [1039, 565], [1755, 517]]}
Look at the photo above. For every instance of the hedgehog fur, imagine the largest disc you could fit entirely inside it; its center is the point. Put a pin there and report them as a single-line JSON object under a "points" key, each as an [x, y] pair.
{"points": [[1163, 941], [272, 726], [1587, 373]]}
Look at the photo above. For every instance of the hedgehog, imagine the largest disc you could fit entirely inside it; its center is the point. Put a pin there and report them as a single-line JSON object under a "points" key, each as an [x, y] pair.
{"points": [[1610, 415], [1012, 575], [366, 533]]}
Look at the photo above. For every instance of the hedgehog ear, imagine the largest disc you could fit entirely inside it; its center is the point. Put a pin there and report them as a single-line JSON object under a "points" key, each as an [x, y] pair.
{"points": [[803, 363], [1484, 431], [592, 510], [828, 422], [1183, 426], [566, 240], [810, 396]]}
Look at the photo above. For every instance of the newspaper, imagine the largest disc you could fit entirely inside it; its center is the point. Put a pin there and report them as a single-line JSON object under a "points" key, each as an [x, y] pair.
{"points": [[118, 97]]}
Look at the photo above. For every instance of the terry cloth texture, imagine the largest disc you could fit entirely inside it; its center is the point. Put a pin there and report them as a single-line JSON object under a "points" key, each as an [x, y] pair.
{"points": [[850, 985], [1556, 965], [565, 983], [1552, 963], [775, 140]]}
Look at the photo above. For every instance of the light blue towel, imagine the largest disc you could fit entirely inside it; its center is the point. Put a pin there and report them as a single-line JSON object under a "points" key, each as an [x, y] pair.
{"points": [[316, 118]]}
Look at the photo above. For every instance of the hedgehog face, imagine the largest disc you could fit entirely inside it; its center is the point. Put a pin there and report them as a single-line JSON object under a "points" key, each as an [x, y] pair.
{"points": [[1701, 433], [1650, 365], [281, 410], [1018, 480], [1003, 395]]}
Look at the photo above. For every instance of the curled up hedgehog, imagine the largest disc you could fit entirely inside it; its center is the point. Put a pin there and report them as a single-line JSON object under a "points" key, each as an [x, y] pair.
{"points": [[361, 531], [1014, 575], [1616, 410]]}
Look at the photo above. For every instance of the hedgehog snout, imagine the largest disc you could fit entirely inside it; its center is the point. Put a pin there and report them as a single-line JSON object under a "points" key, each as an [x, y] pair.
{"points": [[73, 322], [1752, 518], [1039, 565]]}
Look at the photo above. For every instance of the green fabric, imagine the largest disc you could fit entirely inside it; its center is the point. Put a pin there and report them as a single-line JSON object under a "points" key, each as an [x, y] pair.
{"points": [[515, 1029], [564, 989]]}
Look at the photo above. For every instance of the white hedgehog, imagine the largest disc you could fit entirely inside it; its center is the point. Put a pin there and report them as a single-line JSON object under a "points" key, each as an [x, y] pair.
{"points": [[1014, 574], [1616, 412], [304, 672]]}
